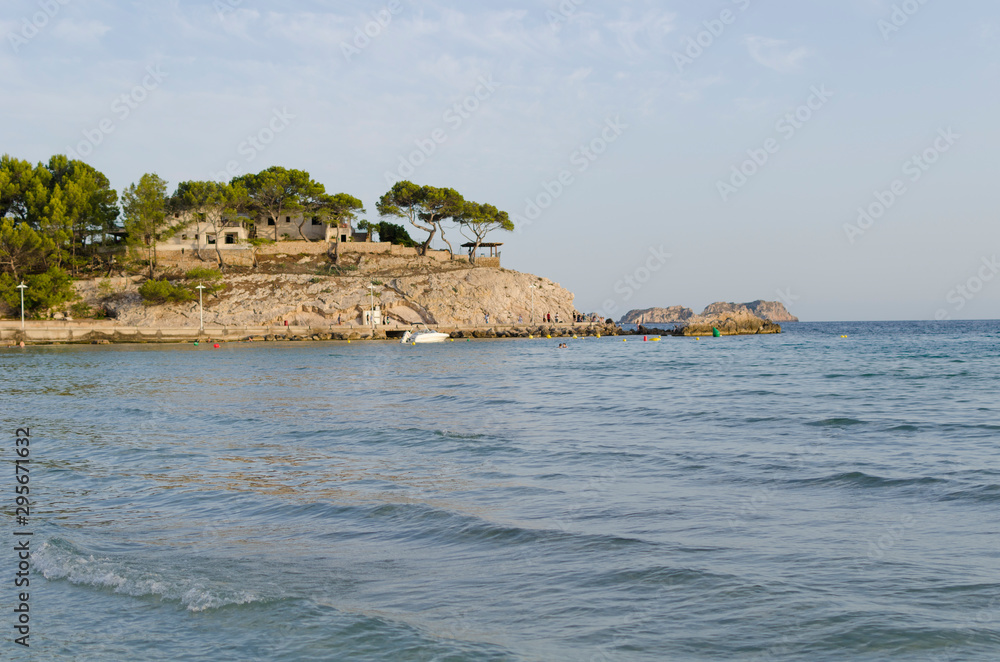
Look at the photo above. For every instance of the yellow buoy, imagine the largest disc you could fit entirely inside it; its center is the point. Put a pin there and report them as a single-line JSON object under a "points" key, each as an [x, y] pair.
{"points": [[598, 335], [548, 336], [531, 337]]}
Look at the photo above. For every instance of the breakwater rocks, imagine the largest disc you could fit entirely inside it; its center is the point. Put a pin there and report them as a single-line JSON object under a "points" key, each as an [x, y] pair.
{"points": [[542, 331]]}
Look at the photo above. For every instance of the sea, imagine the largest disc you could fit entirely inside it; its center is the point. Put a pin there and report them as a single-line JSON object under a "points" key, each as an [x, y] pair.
{"points": [[830, 493]]}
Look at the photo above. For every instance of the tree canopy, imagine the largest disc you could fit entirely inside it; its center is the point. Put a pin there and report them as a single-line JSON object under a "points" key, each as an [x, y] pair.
{"points": [[478, 220], [214, 203], [146, 219], [53, 216], [427, 208]]}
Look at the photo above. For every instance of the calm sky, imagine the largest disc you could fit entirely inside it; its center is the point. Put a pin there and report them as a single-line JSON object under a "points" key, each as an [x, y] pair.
{"points": [[838, 155]]}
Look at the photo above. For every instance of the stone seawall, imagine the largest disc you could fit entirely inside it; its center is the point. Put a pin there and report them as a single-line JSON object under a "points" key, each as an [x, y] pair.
{"points": [[107, 333], [182, 256]]}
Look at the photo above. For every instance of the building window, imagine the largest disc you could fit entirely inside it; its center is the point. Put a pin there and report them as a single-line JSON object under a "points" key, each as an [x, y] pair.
{"points": [[288, 219], [270, 221], [184, 237], [230, 238], [196, 237], [211, 239], [316, 220], [343, 238]]}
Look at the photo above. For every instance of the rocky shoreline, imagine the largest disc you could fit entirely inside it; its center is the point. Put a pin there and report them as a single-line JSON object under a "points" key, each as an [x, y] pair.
{"points": [[107, 333]]}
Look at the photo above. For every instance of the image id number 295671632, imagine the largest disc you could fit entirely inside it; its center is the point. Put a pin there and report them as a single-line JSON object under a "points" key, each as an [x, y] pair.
{"points": [[22, 535]]}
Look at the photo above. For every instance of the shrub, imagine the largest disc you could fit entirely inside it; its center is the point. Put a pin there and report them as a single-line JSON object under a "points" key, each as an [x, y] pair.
{"points": [[44, 291], [204, 273], [155, 292], [210, 278], [105, 288], [394, 234], [81, 310]]}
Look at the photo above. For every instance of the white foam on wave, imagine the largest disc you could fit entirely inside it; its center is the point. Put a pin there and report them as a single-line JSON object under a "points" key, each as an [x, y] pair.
{"points": [[57, 562]]}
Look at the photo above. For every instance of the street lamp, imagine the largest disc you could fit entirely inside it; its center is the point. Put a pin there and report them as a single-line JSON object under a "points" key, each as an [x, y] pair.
{"points": [[22, 287], [201, 310]]}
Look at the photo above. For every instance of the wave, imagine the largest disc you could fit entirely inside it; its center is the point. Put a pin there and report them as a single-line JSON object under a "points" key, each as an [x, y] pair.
{"points": [[979, 493], [60, 560], [423, 523], [836, 422], [861, 479]]}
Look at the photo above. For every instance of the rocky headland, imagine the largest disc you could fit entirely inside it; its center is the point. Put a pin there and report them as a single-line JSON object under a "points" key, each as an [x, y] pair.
{"points": [[408, 290]]}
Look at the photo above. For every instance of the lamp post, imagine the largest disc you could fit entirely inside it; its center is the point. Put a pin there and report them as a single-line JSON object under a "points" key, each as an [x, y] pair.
{"points": [[201, 310], [371, 314], [22, 287], [533, 288]]}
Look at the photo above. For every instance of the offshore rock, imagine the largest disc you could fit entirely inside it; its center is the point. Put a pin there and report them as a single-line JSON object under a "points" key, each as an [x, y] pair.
{"points": [[671, 315], [770, 310], [729, 319]]}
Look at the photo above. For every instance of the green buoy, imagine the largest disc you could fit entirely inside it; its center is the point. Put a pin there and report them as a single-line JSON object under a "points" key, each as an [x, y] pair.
{"points": [[715, 332]]}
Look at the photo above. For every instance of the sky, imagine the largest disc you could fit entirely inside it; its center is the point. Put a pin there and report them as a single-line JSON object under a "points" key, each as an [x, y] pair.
{"points": [[836, 155]]}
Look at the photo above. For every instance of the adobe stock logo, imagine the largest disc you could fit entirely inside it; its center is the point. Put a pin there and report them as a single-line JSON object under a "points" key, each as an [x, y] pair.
{"points": [[914, 169], [581, 159], [454, 117], [122, 106], [363, 36], [696, 46], [30, 27], [787, 126], [900, 16], [629, 284], [965, 292], [256, 143]]}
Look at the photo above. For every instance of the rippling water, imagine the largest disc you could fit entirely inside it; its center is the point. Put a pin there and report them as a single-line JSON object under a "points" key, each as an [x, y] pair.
{"points": [[799, 497]]}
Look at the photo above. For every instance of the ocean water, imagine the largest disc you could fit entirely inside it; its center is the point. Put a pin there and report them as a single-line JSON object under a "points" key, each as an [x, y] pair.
{"points": [[796, 497]]}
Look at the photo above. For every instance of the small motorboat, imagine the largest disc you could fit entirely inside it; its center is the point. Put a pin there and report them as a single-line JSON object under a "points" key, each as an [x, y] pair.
{"points": [[424, 335]]}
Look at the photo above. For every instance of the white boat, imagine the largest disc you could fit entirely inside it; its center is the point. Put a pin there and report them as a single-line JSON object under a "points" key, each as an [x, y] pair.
{"points": [[423, 336]]}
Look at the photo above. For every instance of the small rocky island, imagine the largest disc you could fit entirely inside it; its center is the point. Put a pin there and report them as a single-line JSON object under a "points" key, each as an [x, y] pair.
{"points": [[755, 317]]}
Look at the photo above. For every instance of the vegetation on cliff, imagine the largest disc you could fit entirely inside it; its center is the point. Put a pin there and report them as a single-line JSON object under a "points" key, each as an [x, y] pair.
{"points": [[61, 220]]}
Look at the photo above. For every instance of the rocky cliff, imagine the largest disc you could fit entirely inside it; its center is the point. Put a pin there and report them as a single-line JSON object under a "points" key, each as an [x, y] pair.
{"points": [[729, 319], [765, 310], [671, 315], [769, 310], [408, 290]]}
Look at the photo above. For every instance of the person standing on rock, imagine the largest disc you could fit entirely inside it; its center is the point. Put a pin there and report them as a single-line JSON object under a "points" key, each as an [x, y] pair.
{"points": [[487, 316]]}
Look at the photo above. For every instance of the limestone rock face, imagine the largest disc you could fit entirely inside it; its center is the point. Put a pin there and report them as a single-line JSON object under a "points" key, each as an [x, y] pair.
{"points": [[769, 310], [407, 293], [730, 319], [671, 315]]}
